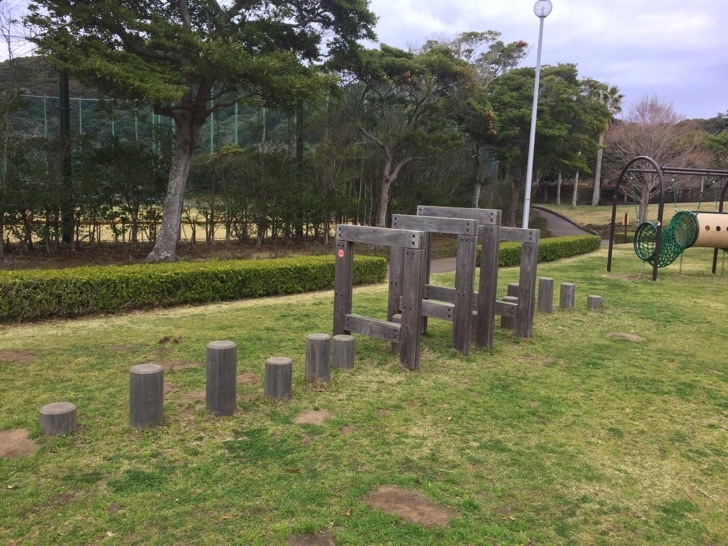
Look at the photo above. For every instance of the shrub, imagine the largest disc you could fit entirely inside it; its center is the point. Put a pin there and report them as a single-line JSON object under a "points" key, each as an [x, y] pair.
{"points": [[550, 249], [33, 295]]}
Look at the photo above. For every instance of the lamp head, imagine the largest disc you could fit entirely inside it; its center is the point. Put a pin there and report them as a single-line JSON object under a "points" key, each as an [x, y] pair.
{"points": [[542, 8]]}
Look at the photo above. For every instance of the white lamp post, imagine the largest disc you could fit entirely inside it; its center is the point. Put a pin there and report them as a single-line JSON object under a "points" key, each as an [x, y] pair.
{"points": [[542, 9]]}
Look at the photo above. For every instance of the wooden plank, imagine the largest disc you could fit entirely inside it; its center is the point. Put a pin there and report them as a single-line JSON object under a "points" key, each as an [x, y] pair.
{"points": [[483, 216], [434, 224], [506, 309], [519, 235], [343, 284], [380, 329], [380, 236], [438, 310], [409, 343], [527, 285], [464, 279], [439, 293], [487, 285]]}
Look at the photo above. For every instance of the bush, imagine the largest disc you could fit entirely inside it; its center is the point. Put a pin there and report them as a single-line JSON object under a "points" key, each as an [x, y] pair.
{"points": [[550, 249], [34, 295]]}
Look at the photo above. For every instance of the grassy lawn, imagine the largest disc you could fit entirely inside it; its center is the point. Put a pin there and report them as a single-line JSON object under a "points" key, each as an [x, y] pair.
{"points": [[570, 437]]}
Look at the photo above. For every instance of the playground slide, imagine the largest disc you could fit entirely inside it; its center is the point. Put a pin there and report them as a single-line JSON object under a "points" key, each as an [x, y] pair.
{"points": [[686, 229]]}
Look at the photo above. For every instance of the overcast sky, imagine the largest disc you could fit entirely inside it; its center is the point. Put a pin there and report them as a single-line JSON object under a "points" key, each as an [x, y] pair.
{"points": [[674, 49]]}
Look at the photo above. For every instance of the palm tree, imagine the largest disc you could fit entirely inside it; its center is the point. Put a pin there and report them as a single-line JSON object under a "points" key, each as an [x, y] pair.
{"points": [[612, 99]]}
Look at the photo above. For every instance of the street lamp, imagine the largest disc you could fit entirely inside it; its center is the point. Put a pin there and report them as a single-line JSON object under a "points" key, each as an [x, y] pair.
{"points": [[542, 9]]}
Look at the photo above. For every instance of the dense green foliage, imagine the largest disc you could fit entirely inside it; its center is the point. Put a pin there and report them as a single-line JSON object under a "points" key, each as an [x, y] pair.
{"points": [[549, 250], [33, 295]]}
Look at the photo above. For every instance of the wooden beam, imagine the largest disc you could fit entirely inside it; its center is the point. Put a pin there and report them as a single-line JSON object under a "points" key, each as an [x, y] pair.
{"points": [[380, 236]]}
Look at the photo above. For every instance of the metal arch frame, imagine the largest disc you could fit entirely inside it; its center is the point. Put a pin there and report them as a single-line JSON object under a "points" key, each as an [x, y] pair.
{"points": [[660, 172]]}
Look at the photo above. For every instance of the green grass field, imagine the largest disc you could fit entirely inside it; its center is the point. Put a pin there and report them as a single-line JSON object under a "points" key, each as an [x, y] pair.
{"points": [[570, 437]]}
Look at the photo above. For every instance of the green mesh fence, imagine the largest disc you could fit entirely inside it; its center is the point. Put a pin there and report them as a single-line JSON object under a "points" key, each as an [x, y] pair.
{"points": [[679, 235]]}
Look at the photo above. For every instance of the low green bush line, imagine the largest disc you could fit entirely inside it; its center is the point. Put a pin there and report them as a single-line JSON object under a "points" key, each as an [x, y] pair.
{"points": [[33, 295], [549, 250]]}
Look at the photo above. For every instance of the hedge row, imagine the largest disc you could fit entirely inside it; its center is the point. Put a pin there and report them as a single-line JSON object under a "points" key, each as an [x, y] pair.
{"points": [[550, 249], [39, 294]]}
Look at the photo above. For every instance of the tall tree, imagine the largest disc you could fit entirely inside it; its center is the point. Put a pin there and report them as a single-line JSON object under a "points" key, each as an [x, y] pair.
{"points": [[398, 99], [192, 57], [653, 128], [610, 97]]}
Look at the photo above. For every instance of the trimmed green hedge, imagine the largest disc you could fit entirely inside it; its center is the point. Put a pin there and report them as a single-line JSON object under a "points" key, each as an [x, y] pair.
{"points": [[553, 248], [39, 294]]}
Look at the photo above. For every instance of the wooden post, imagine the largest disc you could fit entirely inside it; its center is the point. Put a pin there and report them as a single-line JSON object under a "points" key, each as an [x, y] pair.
{"points": [[513, 289], [485, 319], [318, 357], [342, 351], [409, 339], [146, 395], [343, 284], [545, 295], [566, 296], [507, 322], [593, 302], [527, 285], [221, 377], [464, 277], [58, 418], [278, 377]]}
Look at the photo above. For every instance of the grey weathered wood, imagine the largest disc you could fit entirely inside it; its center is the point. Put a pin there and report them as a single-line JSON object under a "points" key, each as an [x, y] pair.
{"points": [[464, 279], [545, 294], [409, 339], [343, 284], [519, 235], [396, 266], [527, 289], [342, 351], [434, 224], [221, 377], [58, 418], [438, 310], [514, 289], [593, 302], [506, 309], [380, 236], [376, 328], [146, 395], [483, 216], [506, 321], [440, 293], [566, 295], [278, 378], [487, 285], [318, 357]]}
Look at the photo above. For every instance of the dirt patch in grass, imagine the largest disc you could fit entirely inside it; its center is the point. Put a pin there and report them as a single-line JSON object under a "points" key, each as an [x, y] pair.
{"points": [[16, 357], [323, 539], [312, 417], [175, 366], [15, 443], [410, 506], [626, 337], [194, 396], [248, 378]]}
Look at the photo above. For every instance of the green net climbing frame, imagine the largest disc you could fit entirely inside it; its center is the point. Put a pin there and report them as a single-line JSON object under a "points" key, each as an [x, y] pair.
{"points": [[679, 235]]}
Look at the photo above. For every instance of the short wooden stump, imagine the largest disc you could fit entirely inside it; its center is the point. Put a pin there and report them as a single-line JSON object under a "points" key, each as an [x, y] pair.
{"points": [[342, 351], [509, 323], [221, 377], [545, 295], [146, 395], [593, 302], [318, 357], [566, 296], [278, 378], [58, 418]]}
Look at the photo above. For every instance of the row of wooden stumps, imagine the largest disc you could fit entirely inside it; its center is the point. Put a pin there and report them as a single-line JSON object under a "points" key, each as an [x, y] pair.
{"points": [[146, 382], [567, 295]]}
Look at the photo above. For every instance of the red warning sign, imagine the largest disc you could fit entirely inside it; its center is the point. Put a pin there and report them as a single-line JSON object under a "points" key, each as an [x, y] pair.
{"points": [[340, 253]]}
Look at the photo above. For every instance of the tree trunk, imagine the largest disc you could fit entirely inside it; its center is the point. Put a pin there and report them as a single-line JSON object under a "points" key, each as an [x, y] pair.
{"points": [[598, 172], [384, 187], [515, 200], [477, 178], [575, 193], [559, 181], [188, 124]]}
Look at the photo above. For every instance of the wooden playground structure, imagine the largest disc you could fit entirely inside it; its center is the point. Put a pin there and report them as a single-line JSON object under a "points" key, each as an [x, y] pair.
{"points": [[412, 299]]}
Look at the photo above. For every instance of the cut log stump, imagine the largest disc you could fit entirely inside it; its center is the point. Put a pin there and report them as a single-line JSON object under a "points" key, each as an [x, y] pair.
{"points": [[58, 418], [593, 302], [566, 296], [221, 374], [545, 295], [342, 351], [278, 377], [318, 357], [146, 395]]}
